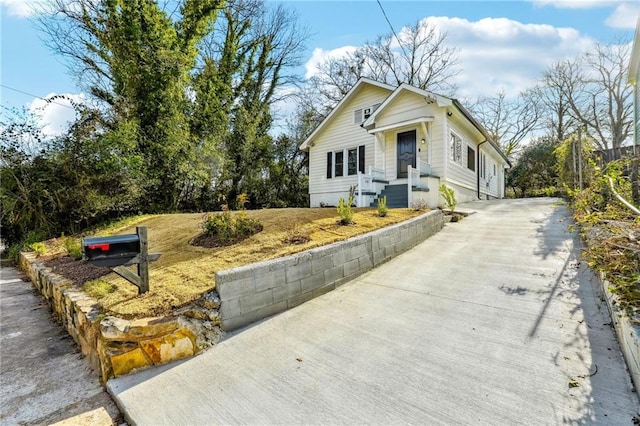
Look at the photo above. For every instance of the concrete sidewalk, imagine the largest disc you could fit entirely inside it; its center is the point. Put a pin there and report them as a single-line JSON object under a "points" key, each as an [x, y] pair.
{"points": [[492, 321], [43, 376]]}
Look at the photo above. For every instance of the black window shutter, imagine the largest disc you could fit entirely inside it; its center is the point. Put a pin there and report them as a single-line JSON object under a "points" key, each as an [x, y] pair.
{"points": [[361, 158], [329, 164]]}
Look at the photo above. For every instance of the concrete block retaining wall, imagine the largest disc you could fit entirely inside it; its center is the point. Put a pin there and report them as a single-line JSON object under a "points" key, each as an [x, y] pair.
{"points": [[628, 333], [252, 292]]}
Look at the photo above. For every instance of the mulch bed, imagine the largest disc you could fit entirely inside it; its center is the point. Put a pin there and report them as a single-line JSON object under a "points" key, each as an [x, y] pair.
{"points": [[77, 271]]}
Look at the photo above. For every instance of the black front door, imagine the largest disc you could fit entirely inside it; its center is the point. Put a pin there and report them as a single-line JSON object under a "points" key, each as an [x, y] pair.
{"points": [[406, 152]]}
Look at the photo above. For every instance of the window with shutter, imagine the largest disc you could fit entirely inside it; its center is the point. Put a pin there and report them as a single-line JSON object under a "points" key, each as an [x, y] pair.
{"points": [[361, 158]]}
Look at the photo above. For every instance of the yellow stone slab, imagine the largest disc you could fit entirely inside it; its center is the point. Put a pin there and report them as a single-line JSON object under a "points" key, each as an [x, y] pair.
{"points": [[97, 417]]}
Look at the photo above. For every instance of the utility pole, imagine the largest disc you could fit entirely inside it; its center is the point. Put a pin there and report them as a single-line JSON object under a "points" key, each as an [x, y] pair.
{"points": [[573, 163], [580, 157]]}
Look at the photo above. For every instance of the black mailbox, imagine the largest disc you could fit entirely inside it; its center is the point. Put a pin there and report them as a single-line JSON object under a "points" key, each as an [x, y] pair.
{"points": [[111, 251]]}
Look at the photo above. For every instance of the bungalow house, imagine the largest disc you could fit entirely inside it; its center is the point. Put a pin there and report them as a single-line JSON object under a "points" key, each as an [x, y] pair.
{"points": [[401, 142]]}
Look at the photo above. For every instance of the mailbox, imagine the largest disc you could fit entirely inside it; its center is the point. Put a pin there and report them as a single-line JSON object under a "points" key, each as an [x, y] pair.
{"points": [[111, 251]]}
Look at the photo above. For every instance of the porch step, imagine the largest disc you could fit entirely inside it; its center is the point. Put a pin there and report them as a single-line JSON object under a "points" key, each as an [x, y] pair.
{"points": [[396, 196]]}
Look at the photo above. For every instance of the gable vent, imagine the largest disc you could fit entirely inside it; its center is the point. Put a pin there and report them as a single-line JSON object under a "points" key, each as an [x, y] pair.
{"points": [[357, 116]]}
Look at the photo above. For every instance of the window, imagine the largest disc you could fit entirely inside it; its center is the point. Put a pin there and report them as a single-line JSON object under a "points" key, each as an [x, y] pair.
{"points": [[483, 165], [367, 113], [352, 161], [339, 168], [471, 158], [362, 114], [455, 153], [336, 165]]}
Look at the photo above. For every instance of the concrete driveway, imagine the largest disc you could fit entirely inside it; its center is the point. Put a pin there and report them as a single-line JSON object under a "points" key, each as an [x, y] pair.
{"points": [[492, 321]]}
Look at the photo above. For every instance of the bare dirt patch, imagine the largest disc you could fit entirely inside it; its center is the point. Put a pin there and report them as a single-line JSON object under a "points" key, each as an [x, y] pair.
{"points": [[78, 272], [184, 272]]}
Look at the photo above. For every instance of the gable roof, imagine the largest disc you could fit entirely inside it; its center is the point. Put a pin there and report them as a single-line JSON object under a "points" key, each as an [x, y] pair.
{"points": [[634, 62], [441, 101], [356, 87]]}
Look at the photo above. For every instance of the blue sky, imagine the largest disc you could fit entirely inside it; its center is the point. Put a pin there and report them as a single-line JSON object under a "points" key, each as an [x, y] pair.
{"points": [[503, 44]]}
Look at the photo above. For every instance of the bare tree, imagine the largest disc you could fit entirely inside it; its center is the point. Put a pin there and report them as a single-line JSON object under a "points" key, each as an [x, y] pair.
{"points": [[508, 121], [419, 56], [553, 93], [600, 101]]}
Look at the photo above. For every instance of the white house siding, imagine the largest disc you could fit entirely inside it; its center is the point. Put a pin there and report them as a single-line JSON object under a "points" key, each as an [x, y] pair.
{"points": [[461, 178], [408, 106], [341, 133]]}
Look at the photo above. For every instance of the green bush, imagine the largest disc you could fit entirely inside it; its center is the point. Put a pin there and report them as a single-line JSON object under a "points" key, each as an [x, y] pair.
{"points": [[38, 248], [382, 206], [229, 227], [449, 197], [73, 247], [98, 288], [345, 211]]}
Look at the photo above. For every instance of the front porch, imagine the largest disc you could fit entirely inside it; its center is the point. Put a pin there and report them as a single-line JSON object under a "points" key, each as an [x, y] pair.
{"points": [[400, 192]]}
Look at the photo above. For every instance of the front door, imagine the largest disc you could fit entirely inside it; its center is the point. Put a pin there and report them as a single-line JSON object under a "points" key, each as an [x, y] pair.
{"points": [[406, 152]]}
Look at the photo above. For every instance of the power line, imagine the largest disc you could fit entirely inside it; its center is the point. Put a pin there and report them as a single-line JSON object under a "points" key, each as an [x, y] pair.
{"points": [[391, 26], [35, 96]]}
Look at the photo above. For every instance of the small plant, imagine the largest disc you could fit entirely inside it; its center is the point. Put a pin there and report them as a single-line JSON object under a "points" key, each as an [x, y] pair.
{"points": [[297, 235], [449, 197], [73, 247], [98, 288], [242, 200], [345, 211], [38, 248], [352, 195], [229, 227], [382, 206], [419, 205]]}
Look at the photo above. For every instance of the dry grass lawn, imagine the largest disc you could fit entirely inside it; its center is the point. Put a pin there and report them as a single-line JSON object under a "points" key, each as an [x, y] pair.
{"points": [[184, 272]]}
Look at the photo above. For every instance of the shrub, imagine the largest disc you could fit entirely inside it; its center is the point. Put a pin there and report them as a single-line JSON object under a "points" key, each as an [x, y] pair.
{"points": [[382, 206], [229, 227], [242, 200], [419, 205], [38, 248], [449, 197], [345, 211], [73, 247]]}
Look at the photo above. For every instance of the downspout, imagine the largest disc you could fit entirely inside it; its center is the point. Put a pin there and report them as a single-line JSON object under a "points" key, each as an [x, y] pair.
{"points": [[478, 167]]}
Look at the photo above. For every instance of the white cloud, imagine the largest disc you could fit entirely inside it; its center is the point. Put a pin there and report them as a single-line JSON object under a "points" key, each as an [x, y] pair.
{"points": [[57, 115], [319, 55], [500, 53], [20, 8], [496, 53], [575, 4], [625, 16]]}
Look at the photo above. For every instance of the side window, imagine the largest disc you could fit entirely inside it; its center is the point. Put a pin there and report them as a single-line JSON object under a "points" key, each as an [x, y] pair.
{"points": [[471, 158], [455, 153]]}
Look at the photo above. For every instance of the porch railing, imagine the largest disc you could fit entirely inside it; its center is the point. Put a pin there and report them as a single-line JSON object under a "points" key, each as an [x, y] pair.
{"points": [[424, 168]]}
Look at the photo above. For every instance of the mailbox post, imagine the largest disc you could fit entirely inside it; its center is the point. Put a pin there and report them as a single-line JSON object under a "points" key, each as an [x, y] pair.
{"points": [[119, 251]]}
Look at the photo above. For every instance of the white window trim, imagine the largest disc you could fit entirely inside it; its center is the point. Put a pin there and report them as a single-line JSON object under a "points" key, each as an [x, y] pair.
{"points": [[453, 134], [345, 162]]}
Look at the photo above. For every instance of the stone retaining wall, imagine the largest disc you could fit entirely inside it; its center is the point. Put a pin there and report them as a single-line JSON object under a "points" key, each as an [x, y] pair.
{"points": [[628, 332], [115, 346], [252, 292]]}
